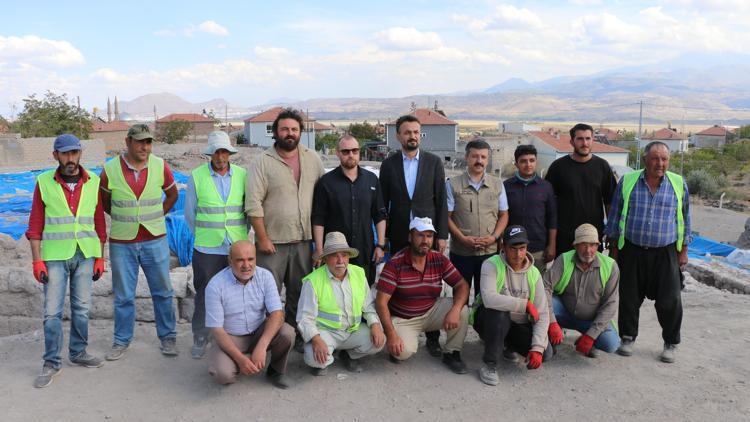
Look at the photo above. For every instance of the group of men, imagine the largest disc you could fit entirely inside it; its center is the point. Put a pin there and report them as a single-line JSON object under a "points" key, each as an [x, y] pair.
{"points": [[319, 236]]}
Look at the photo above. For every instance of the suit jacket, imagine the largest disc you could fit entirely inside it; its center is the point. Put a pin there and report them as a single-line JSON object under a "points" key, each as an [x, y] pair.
{"points": [[429, 198]]}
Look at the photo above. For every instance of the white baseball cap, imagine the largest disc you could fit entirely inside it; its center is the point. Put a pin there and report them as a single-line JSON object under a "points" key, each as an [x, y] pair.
{"points": [[422, 224]]}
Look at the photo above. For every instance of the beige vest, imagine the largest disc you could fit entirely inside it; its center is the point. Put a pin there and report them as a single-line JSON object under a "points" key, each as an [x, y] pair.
{"points": [[475, 213]]}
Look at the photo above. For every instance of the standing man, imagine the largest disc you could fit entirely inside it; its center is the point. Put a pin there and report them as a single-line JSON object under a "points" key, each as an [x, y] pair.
{"points": [[214, 212], [348, 200], [649, 232], [278, 200], [477, 213], [583, 184], [132, 186], [67, 232], [413, 184], [532, 204]]}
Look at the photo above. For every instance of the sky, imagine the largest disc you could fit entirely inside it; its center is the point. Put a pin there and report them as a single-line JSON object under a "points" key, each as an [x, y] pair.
{"points": [[251, 53]]}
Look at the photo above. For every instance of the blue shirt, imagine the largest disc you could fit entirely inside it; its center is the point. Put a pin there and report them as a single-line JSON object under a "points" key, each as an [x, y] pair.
{"points": [[223, 185], [411, 165], [652, 218], [240, 308]]}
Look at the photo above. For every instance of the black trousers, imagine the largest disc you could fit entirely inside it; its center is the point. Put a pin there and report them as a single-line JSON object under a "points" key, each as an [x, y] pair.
{"points": [[498, 331], [652, 273], [205, 266], [470, 268]]}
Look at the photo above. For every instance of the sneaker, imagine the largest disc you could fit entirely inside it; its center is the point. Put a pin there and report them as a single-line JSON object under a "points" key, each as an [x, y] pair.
{"points": [[169, 347], [433, 347], [488, 375], [454, 362], [593, 353], [85, 359], [319, 372], [351, 365], [668, 355], [278, 379], [626, 347], [45, 377], [511, 356], [199, 347], [116, 352]]}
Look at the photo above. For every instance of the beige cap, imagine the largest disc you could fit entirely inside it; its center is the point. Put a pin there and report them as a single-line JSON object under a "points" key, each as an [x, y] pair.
{"points": [[586, 233], [336, 242]]}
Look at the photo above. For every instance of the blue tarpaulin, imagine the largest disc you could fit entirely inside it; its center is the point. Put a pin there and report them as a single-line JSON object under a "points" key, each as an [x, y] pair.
{"points": [[702, 246]]}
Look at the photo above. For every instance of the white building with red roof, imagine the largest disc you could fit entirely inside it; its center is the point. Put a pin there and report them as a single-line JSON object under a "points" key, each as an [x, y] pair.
{"points": [[439, 133], [676, 141], [713, 137], [551, 146], [200, 127], [259, 131]]}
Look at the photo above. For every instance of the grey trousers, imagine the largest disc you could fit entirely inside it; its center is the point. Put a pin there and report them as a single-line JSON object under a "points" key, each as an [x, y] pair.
{"points": [[290, 263], [358, 344]]}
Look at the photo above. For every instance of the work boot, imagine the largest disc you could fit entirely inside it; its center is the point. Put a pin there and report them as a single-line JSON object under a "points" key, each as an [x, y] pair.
{"points": [[169, 347], [488, 375], [199, 347], [433, 346], [85, 359], [668, 355], [351, 365], [45, 377], [626, 346], [116, 352], [278, 379], [454, 362], [511, 356], [593, 353]]}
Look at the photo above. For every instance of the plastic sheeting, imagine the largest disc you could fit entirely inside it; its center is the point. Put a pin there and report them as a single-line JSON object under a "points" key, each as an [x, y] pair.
{"points": [[702, 246]]}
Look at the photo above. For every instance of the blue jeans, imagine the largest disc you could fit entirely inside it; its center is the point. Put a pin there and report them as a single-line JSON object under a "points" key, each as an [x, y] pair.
{"points": [[153, 257], [607, 341], [78, 270]]}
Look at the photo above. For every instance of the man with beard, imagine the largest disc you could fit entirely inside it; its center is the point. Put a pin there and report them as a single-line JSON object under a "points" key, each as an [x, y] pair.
{"points": [[67, 232], [278, 200], [348, 200], [582, 292], [214, 204], [408, 299], [583, 184], [477, 213]]}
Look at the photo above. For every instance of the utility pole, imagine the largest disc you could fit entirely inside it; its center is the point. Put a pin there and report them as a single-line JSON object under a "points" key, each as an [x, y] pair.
{"points": [[638, 140]]}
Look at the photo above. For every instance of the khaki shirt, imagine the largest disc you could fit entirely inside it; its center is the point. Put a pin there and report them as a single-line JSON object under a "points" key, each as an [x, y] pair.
{"points": [[273, 194]]}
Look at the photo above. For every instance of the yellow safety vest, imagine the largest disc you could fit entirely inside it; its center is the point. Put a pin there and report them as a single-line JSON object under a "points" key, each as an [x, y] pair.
{"points": [[215, 219], [329, 313]]}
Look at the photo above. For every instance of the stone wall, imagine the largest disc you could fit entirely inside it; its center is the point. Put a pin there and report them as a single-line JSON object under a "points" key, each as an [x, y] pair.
{"points": [[23, 154]]}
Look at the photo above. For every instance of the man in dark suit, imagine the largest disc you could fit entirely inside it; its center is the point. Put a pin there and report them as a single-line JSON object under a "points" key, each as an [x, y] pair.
{"points": [[413, 185]]}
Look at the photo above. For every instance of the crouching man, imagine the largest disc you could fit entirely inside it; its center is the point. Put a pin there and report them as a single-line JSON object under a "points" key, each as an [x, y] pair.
{"points": [[333, 301], [238, 298]]}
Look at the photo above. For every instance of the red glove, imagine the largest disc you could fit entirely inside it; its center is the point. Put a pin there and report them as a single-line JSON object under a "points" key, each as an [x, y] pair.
{"points": [[531, 310], [584, 344], [555, 334], [534, 359], [98, 269], [40, 272]]}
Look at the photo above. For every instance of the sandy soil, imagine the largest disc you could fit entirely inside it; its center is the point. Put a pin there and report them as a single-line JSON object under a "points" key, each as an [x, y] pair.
{"points": [[718, 224]]}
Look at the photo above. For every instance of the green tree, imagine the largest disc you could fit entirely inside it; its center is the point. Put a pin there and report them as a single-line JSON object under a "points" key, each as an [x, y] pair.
{"points": [[743, 132], [627, 135], [51, 116], [173, 131], [363, 131], [330, 140], [4, 125]]}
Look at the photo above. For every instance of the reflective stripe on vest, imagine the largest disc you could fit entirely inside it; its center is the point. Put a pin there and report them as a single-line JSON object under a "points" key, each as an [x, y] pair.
{"points": [[605, 271], [215, 219], [329, 313], [63, 232], [129, 212], [628, 183], [532, 278]]}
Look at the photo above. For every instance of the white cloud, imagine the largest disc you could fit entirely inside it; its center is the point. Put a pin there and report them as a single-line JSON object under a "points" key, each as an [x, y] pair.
{"points": [[408, 39], [271, 53], [508, 16], [207, 27], [31, 49], [211, 27]]}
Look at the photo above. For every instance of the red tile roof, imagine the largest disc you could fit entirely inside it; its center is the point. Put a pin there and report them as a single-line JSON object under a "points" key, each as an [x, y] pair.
{"points": [[665, 134], [609, 133], [714, 131], [270, 115], [427, 116], [563, 143], [190, 117], [116, 126], [321, 126]]}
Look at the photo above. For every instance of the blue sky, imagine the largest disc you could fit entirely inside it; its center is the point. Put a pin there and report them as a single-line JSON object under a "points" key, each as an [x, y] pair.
{"points": [[250, 53]]}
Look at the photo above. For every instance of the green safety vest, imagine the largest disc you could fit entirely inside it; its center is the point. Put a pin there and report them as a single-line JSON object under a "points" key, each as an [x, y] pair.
{"points": [[129, 212], [329, 313], [605, 270], [64, 232], [532, 278], [215, 219], [628, 183]]}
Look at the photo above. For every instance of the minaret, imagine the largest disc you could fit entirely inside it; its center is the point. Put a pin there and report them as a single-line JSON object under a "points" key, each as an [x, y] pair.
{"points": [[117, 110], [109, 111]]}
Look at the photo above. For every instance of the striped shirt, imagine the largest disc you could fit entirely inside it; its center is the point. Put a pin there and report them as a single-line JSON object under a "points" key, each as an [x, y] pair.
{"points": [[412, 292], [240, 308], [652, 218]]}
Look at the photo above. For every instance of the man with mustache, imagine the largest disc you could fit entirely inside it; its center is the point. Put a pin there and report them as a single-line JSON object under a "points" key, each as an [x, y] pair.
{"points": [[477, 213], [67, 232], [278, 200], [582, 292], [583, 184], [214, 213]]}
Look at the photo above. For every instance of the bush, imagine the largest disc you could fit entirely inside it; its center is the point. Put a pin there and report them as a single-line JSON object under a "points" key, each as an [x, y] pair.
{"points": [[701, 183]]}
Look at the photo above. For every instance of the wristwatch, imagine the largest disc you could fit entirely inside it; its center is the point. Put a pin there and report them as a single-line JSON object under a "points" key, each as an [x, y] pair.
{"points": [[382, 247], [497, 238]]}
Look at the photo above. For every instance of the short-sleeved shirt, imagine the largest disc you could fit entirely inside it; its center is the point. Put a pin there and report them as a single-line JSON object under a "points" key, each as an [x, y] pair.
{"points": [[413, 293], [240, 308]]}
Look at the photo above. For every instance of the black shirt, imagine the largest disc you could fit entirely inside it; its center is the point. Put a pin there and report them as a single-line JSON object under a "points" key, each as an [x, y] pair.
{"points": [[582, 191], [340, 205], [532, 206]]}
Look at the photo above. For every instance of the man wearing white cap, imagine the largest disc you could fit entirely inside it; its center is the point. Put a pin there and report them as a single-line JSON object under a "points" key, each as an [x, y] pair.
{"points": [[334, 299], [583, 295], [214, 205], [409, 302]]}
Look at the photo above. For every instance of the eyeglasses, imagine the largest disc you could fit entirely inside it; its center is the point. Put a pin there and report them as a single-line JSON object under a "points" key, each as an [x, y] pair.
{"points": [[354, 151]]}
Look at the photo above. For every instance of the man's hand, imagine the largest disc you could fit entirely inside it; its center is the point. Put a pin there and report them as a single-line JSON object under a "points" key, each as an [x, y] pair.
{"points": [[451, 319], [247, 366], [441, 245], [317, 260], [485, 242], [395, 345], [320, 350], [265, 246], [259, 356], [378, 338], [534, 360], [555, 334], [377, 255], [682, 259], [40, 272], [549, 253], [584, 344], [533, 313], [98, 269]]}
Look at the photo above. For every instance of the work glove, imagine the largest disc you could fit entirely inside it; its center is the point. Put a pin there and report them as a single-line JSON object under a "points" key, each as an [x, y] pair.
{"points": [[40, 272], [534, 360], [98, 269], [584, 344], [555, 334], [533, 313]]}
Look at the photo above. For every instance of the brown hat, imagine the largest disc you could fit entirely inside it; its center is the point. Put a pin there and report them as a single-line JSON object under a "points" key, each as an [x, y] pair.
{"points": [[336, 242], [586, 233]]}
